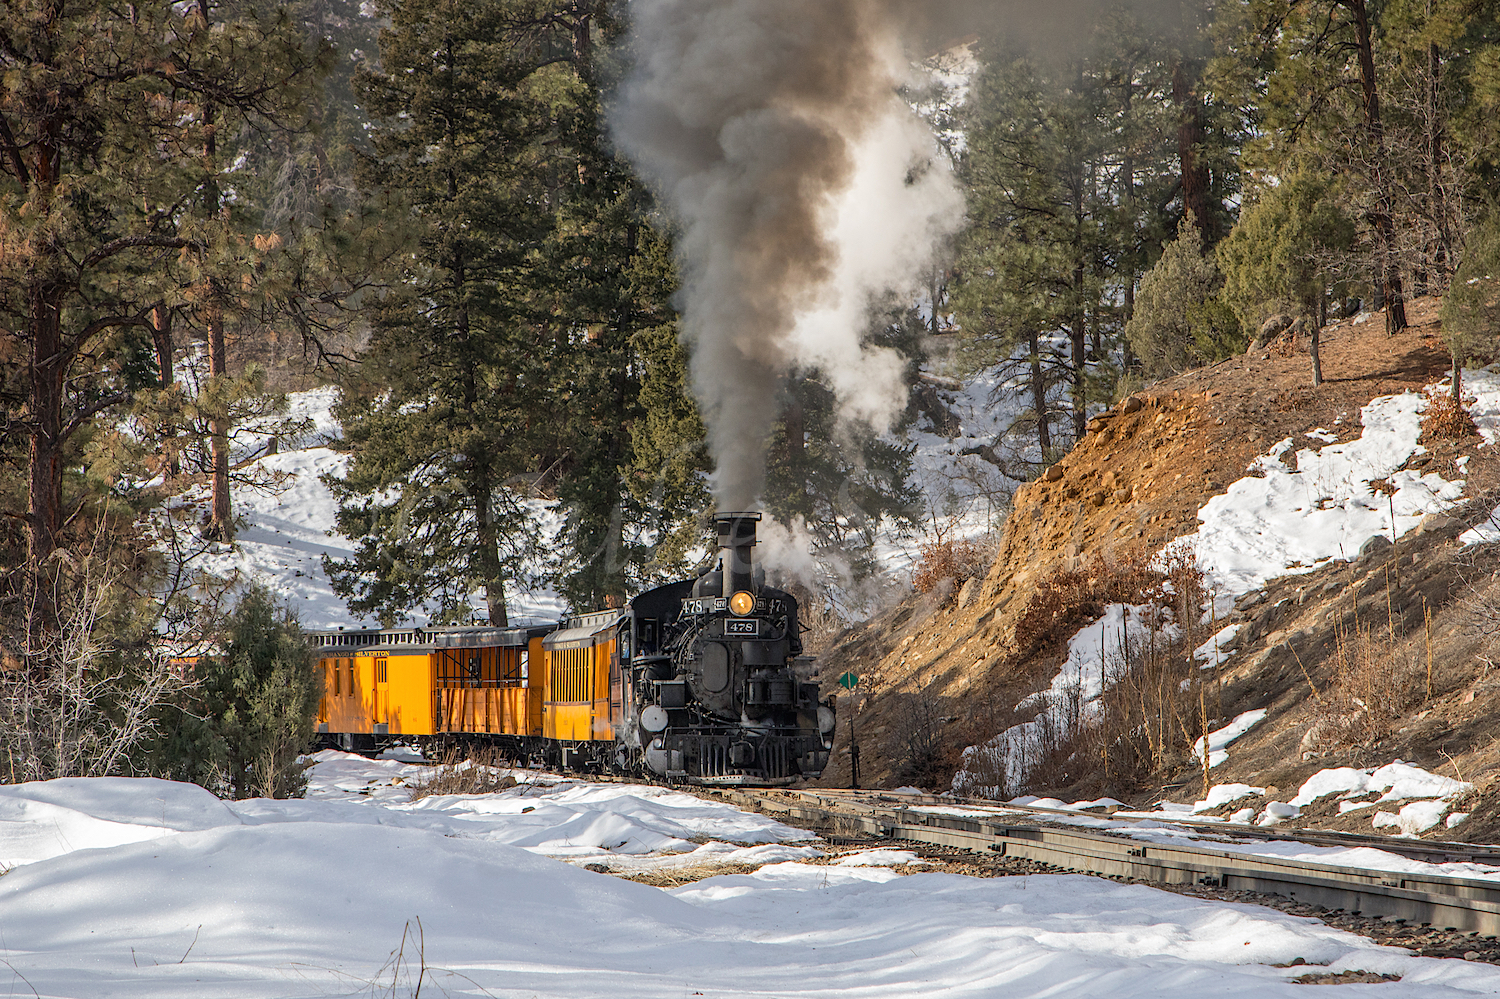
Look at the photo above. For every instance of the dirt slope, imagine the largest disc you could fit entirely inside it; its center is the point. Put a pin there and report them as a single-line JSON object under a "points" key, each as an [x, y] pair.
{"points": [[944, 670]]}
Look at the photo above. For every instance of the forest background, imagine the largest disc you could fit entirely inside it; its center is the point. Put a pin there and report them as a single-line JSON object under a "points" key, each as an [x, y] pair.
{"points": [[204, 205]]}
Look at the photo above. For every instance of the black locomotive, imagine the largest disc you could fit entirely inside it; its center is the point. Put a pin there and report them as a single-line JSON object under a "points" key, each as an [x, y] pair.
{"points": [[720, 690]]}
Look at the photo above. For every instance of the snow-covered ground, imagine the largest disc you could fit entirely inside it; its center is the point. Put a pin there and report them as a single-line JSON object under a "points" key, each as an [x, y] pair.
{"points": [[145, 888]]}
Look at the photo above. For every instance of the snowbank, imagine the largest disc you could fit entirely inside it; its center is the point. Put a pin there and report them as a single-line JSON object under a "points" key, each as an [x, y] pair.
{"points": [[1294, 513], [1219, 739], [313, 909]]}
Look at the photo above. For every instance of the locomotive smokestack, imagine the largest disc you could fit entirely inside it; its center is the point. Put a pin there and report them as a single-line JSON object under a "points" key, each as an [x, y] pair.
{"points": [[736, 539]]}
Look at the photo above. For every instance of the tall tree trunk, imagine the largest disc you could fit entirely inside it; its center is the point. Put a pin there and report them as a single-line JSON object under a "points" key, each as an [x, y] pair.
{"points": [[49, 365], [1383, 217], [44, 460], [1127, 181], [796, 451], [161, 339], [1437, 197], [1080, 359], [1190, 133], [1039, 394], [483, 496], [221, 525]]}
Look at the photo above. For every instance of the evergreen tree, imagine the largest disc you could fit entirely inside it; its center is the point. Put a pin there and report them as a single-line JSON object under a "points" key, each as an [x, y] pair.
{"points": [[253, 711], [843, 482], [446, 410], [1076, 176], [1282, 255], [1179, 319], [1471, 310]]}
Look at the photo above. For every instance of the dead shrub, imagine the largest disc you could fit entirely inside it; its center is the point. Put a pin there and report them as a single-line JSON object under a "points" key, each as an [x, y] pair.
{"points": [[1068, 597], [1287, 344], [930, 747], [960, 561], [480, 771], [1447, 419], [1157, 699]]}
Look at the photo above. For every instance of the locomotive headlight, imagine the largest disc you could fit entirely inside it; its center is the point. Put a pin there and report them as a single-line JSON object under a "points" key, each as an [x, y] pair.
{"points": [[742, 603]]}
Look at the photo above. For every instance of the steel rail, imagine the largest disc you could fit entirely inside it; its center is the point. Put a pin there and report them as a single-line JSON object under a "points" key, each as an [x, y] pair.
{"points": [[1428, 851], [1443, 901]]}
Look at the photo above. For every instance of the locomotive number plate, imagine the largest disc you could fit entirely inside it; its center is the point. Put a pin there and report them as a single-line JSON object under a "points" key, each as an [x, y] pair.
{"points": [[750, 627], [704, 605]]}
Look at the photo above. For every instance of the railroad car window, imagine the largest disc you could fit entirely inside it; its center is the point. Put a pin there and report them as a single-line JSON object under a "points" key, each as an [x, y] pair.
{"points": [[338, 675], [380, 671]]}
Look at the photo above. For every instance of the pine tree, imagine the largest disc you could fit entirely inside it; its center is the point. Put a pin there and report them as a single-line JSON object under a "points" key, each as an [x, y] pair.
{"points": [[253, 710], [1179, 319], [449, 410], [1072, 174], [844, 483], [102, 132], [1471, 310], [1282, 254]]}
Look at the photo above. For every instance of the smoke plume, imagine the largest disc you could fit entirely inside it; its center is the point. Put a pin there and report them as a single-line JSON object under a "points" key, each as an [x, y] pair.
{"points": [[803, 187]]}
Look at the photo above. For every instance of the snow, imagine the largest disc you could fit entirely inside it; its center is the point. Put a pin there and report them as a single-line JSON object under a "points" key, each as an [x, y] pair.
{"points": [[1223, 794], [1326, 782], [143, 888], [1413, 818], [1219, 739], [352, 900], [1295, 513], [1211, 653]]}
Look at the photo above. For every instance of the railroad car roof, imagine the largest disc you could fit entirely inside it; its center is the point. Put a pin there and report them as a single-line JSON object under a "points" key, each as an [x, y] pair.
{"points": [[403, 639]]}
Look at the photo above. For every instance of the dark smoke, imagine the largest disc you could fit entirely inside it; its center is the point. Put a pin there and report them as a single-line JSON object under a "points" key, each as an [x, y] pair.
{"points": [[801, 183]]}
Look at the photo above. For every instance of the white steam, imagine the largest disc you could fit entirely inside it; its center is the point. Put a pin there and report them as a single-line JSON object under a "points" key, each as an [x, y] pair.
{"points": [[805, 189]]}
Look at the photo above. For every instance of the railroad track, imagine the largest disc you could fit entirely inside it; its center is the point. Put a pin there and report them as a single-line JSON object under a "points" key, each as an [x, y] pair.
{"points": [[1446, 902]]}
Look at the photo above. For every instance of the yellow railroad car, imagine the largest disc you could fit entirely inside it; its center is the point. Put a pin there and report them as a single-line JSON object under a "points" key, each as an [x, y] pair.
{"points": [[380, 684], [584, 700]]}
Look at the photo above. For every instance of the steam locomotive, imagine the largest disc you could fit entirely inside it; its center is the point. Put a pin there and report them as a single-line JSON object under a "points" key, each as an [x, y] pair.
{"points": [[701, 680]]}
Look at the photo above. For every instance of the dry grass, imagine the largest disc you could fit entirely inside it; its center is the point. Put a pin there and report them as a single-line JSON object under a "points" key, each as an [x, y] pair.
{"points": [[676, 877], [1374, 683], [481, 771]]}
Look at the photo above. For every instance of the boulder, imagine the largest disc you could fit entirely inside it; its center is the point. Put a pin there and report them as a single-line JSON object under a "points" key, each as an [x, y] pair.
{"points": [[1271, 329], [1437, 522]]}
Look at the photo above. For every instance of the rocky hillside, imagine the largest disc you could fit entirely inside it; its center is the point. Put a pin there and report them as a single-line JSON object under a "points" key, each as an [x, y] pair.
{"points": [[1406, 624]]}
